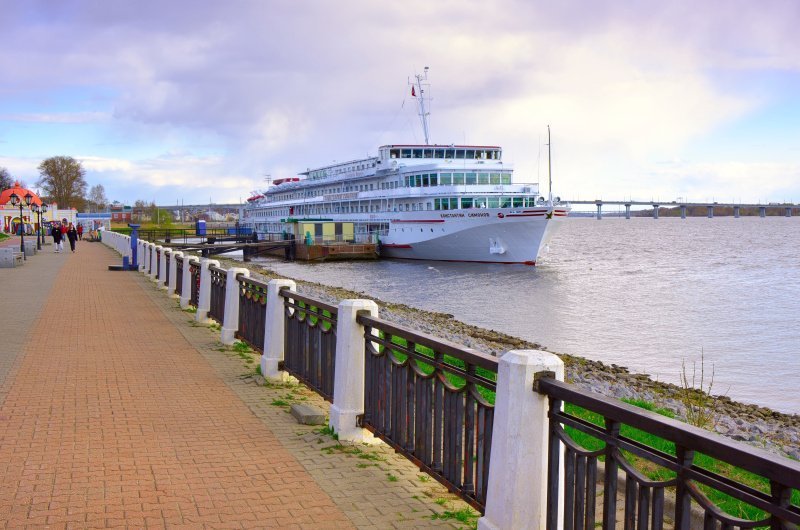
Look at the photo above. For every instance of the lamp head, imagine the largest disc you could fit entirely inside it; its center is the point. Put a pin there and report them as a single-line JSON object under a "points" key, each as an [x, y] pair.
{"points": [[44, 207], [14, 199], [35, 208], [28, 199]]}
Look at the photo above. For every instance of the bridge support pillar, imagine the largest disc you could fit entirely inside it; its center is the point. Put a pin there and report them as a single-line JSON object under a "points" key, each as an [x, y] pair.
{"points": [[736, 210], [349, 381], [762, 211], [683, 211], [516, 495], [275, 330], [599, 211], [627, 211], [204, 293], [230, 320], [710, 211], [788, 211], [655, 210], [173, 273]]}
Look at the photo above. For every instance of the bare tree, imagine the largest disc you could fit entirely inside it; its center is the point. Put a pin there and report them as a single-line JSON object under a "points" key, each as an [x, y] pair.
{"points": [[5, 179], [97, 197], [62, 181]]}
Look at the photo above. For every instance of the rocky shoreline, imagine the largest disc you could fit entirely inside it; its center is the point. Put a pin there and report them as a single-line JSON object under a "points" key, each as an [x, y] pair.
{"points": [[772, 431]]}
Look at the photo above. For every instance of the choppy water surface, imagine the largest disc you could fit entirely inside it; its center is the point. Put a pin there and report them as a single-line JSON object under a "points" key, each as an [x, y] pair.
{"points": [[647, 294]]}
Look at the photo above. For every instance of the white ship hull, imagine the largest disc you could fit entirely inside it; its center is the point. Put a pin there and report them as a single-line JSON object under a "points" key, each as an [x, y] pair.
{"points": [[486, 235]]}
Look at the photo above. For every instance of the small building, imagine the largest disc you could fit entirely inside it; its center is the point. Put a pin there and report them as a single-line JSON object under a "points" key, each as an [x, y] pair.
{"points": [[120, 213]]}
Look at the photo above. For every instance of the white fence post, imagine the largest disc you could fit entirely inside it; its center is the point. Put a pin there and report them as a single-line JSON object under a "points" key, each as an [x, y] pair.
{"points": [[162, 268], [204, 292], [230, 322], [142, 255], [173, 272], [186, 288], [516, 496], [274, 329], [154, 261], [348, 384]]}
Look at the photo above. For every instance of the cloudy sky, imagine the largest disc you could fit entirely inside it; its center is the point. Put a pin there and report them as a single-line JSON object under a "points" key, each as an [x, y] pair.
{"points": [[197, 101]]}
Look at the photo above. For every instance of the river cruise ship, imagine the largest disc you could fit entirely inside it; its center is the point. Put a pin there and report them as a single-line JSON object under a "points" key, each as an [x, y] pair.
{"points": [[425, 202]]}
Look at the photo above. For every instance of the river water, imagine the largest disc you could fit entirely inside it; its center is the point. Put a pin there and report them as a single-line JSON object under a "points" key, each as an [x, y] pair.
{"points": [[651, 295]]}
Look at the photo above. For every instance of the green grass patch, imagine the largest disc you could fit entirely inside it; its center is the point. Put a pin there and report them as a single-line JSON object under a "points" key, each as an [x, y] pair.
{"points": [[466, 516], [391, 478]]}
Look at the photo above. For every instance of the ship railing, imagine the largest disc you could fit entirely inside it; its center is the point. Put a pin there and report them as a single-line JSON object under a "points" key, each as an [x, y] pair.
{"points": [[505, 433]]}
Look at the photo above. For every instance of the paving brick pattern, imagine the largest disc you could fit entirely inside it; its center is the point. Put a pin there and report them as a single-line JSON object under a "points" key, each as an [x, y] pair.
{"points": [[131, 415], [114, 419]]}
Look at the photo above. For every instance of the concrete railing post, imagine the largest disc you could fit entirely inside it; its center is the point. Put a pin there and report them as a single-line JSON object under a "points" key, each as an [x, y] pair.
{"points": [[348, 384], [186, 287], [516, 496], [230, 321], [173, 272], [154, 261], [162, 268], [204, 292], [274, 329], [142, 255]]}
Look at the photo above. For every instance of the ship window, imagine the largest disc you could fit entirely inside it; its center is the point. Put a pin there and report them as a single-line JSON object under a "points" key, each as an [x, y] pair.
{"points": [[450, 153], [483, 178], [434, 179], [494, 202], [518, 202], [418, 179], [371, 187], [454, 203], [417, 153], [505, 202], [459, 153], [458, 178], [428, 153], [406, 153], [470, 153], [425, 181], [446, 179], [427, 206], [466, 202], [472, 178], [438, 153], [480, 202], [436, 205], [505, 178], [495, 178]]}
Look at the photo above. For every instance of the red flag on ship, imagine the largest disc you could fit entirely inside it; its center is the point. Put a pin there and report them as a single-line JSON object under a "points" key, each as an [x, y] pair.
{"points": [[413, 94]]}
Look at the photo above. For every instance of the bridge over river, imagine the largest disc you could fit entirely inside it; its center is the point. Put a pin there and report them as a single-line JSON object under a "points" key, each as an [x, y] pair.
{"points": [[786, 208]]}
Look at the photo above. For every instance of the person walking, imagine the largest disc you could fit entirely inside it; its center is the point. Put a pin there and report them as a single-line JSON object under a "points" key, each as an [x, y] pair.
{"points": [[80, 232], [72, 235], [56, 233]]}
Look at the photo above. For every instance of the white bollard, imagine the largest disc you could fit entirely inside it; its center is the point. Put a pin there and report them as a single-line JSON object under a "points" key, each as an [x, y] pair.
{"points": [[230, 322], [516, 496], [186, 288], [142, 255], [204, 293], [274, 329], [173, 272], [162, 268], [348, 385]]}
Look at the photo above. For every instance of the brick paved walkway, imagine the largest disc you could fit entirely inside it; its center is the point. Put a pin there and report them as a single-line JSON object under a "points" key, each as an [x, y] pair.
{"points": [[119, 413]]}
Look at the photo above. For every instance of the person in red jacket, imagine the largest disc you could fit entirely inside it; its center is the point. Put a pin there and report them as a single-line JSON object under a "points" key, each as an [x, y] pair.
{"points": [[80, 232]]}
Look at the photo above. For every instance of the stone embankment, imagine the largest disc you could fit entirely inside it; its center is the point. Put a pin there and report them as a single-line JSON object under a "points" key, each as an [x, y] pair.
{"points": [[758, 426]]}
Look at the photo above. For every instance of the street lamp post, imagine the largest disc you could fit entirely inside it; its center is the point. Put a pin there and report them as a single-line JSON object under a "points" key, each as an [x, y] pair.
{"points": [[16, 201], [39, 210]]}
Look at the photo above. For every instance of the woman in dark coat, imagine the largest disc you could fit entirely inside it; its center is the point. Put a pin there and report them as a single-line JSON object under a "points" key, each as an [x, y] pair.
{"points": [[56, 233], [72, 235]]}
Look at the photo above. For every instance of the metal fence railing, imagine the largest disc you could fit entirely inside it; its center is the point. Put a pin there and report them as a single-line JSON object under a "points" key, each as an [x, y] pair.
{"points": [[219, 277], [432, 400], [252, 312], [166, 272], [179, 275], [194, 284], [682, 475], [310, 341]]}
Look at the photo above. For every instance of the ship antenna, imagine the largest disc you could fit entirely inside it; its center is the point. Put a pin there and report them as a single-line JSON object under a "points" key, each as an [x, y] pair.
{"points": [[421, 97], [549, 167]]}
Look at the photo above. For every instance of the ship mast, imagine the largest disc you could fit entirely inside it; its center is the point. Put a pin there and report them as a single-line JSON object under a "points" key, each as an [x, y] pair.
{"points": [[549, 168], [421, 97]]}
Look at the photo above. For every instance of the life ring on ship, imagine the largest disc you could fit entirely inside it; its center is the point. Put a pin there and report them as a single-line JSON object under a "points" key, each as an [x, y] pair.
{"points": [[500, 215]]}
